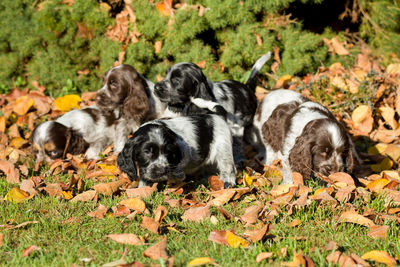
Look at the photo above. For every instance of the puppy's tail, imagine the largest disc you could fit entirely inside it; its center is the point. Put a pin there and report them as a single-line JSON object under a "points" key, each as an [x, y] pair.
{"points": [[252, 81]]}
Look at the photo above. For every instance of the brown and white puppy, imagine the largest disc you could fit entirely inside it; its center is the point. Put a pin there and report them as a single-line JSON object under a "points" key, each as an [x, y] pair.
{"points": [[130, 98], [78, 131], [304, 135]]}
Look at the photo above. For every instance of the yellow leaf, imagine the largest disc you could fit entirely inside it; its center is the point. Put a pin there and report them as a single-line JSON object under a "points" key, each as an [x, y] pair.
{"points": [[388, 115], [22, 105], [280, 189], [283, 81], [377, 185], [16, 195], [377, 149], [67, 102], [17, 142], [379, 256], [393, 68], [340, 83], [134, 204], [328, 190], [385, 164], [360, 114], [108, 168], [67, 194], [248, 180], [235, 241], [2, 124], [202, 261], [393, 151], [360, 74], [353, 217]]}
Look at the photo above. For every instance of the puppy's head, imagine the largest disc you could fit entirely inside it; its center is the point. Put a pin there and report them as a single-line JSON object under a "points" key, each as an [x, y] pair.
{"points": [[324, 147], [183, 81], [154, 150], [124, 89], [52, 140]]}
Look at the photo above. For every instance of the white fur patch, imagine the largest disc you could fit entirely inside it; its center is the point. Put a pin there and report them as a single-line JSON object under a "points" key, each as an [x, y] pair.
{"points": [[336, 136]]}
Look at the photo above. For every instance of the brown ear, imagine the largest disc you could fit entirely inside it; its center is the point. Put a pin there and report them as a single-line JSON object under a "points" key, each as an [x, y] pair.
{"points": [[75, 143], [300, 157], [136, 105], [350, 157]]}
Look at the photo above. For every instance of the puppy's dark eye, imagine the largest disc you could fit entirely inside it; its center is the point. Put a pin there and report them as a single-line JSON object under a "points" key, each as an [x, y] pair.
{"points": [[173, 154], [113, 83], [53, 154]]}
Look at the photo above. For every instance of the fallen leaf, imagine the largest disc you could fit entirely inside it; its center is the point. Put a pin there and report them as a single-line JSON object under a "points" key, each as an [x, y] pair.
{"points": [[127, 239], [218, 236], [28, 186], [109, 188], [247, 179], [251, 214], [354, 217], [393, 151], [377, 231], [17, 142], [53, 189], [134, 204], [331, 246], [16, 195], [257, 235], [67, 195], [1, 239], [150, 224], [215, 183], [341, 177], [377, 185], [340, 259], [29, 250], [294, 223], [12, 173], [197, 214], [379, 256], [338, 47], [164, 8], [281, 189], [223, 197], [297, 179], [160, 213], [85, 196], [263, 255], [121, 211], [2, 124], [111, 169], [201, 64], [393, 68], [298, 260], [157, 47], [99, 213], [67, 102], [157, 250], [141, 192], [235, 241], [22, 105], [388, 114], [283, 82], [362, 118], [385, 164], [202, 261]]}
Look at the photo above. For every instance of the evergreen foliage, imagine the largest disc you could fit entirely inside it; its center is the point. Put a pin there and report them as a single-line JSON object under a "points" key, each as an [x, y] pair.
{"points": [[53, 41]]}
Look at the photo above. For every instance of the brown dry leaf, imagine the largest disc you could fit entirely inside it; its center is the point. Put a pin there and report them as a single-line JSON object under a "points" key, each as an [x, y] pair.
{"points": [[160, 213], [121, 211], [165, 8], [202, 261], [142, 192], [379, 256], [393, 151], [338, 47], [358, 260], [362, 118], [294, 223], [341, 177], [53, 189], [377, 231], [341, 259], [127, 239], [12, 173], [109, 188], [157, 47], [353, 217], [331, 246], [251, 214], [99, 213], [263, 255], [157, 251], [257, 235], [134, 204], [283, 82], [223, 196], [344, 194], [388, 114], [281, 189], [29, 250], [218, 236], [1, 239], [197, 214], [297, 179], [236, 241], [150, 224], [215, 183], [85, 196], [22, 105], [393, 68], [392, 195], [28, 186]]}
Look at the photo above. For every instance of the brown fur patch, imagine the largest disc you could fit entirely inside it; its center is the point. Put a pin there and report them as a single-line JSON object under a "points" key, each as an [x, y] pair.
{"points": [[49, 146]]}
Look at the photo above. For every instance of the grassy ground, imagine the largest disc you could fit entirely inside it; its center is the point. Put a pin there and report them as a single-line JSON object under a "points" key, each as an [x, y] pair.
{"points": [[67, 235]]}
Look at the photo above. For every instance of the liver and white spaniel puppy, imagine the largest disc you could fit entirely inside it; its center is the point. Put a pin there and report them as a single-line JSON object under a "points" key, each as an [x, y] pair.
{"points": [[171, 149], [185, 89], [130, 98], [305, 136], [78, 131]]}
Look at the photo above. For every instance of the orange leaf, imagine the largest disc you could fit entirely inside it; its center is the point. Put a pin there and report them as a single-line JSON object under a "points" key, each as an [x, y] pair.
{"points": [[67, 195], [22, 105], [280, 190], [201, 64], [142, 192], [29, 250], [17, 142], [377, 185], [157, 251], [251, 214], [223, 197], [164, 8], [377, 231], [219, 237], [150, 224], [85, 196], [197, 214], [99, 213], [134, 204], [215, 183], [127, 239], [2, 124], [235, 241], [157, 47], [1, 239], [354, 217], [109, 188], [263, 255], [379, 256], [12, 173], [160, 213]]}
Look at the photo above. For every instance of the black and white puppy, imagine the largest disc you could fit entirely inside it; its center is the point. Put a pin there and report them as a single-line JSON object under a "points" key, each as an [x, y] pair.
{"points": [[304, 135], [171, 149], [78, 131], [130, 98], [186, 89]]}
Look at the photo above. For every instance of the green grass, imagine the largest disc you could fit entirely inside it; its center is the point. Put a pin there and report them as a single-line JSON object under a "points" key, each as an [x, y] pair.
{"points": [[67, 235]]}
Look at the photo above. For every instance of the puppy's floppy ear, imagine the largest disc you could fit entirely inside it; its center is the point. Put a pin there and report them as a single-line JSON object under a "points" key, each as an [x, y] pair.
{"points": [[300, 157], [136, 104], [351, 157], [200, 83], [75, 144], [127, 160]]}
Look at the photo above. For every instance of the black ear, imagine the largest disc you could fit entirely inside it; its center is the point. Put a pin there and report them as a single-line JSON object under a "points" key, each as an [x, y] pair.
{"points": [[350, 156], [127, 160], [200, 84], [75, 144]]}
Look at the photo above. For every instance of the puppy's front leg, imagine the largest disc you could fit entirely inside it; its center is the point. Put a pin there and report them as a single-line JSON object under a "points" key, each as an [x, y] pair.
{"points": [[143, 183], [121, 135], [286, 171]]}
